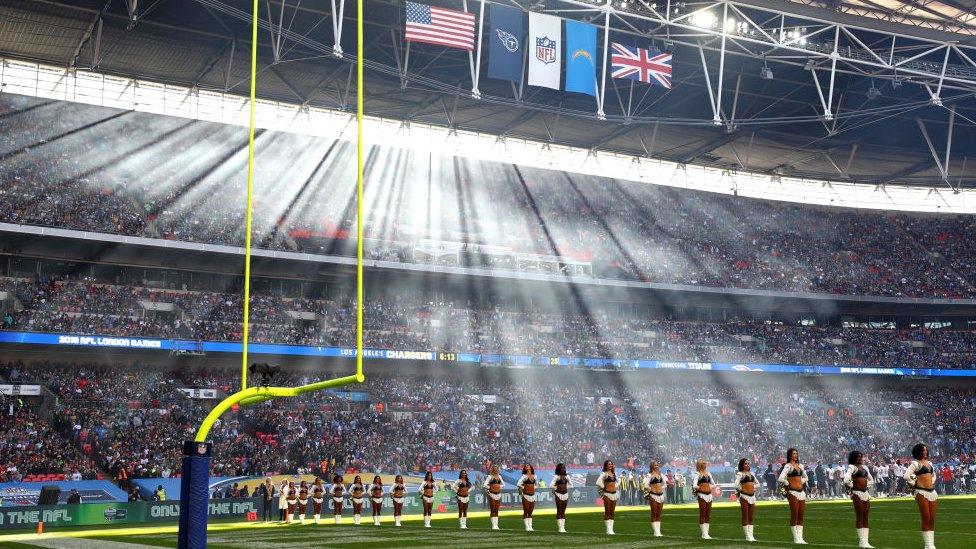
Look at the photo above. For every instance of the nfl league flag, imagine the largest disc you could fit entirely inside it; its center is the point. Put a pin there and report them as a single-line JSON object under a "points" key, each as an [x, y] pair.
{"points": [[440, 26], [648, 66], [545, 42], [507, 38], [580, 57]]}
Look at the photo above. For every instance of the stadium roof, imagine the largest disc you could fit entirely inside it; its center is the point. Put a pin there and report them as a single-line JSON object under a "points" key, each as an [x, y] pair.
{"points": [[885, 126], [946, 15]]}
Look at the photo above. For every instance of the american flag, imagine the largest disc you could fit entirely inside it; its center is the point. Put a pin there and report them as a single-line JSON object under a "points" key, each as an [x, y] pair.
{"points": [[444, 27], [640, 64]]}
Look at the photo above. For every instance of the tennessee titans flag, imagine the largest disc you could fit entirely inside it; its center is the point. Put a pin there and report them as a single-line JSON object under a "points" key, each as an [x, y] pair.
{"points": [[580, 57], [507, 38]]}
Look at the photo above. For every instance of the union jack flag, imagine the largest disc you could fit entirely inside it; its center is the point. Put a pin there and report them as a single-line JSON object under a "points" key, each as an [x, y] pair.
{"points": [[640, 64]]}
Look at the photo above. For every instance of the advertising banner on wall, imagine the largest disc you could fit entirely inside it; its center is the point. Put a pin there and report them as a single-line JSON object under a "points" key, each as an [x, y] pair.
{"points": [[107, 514]]}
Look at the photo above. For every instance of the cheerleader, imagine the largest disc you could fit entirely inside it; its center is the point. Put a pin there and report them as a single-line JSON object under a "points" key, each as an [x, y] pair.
{"points": [[857, 478], [526, 487], [292, 502], [283, 500], [318, 496], [426, 490], [356, 493], [376, 498], [338, 492], [493, 485], [703, 482], [792, 479], [606, 485], [920, 479], [745, 489], [462, 490], [396, 495], [653, 488], [302, 501], [560, 486]]}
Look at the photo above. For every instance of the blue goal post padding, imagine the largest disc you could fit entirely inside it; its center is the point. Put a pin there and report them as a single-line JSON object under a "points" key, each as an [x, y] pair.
{"points": [[194, 495]]}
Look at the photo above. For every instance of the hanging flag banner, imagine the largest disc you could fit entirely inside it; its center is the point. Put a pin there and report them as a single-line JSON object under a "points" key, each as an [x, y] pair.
{"points": [[439, 26], [545, 41], [507, 38], [648, 66], [580, 57]]}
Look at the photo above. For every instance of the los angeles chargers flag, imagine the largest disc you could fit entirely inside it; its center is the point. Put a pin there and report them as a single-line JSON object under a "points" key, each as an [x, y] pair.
{"points": [[580, 57], [507, 38], [545, 42]]}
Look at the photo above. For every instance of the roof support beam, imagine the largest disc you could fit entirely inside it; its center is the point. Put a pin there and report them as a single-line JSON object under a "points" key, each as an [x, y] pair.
{"points": [[87, 35]]}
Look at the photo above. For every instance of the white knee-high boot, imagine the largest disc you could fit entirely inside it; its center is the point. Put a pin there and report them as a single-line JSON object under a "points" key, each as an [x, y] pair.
{"points": [[656, 528], [749, 533], [338, 519], [798, 535], [929, 538], [464, 522], [528, 524], [317, 518], [704, 531], [609, 524], [301, 518], [862, 538], [562, 525], [356, 519], [426, 521], [494, 523], [396, 520], [376, 520]]}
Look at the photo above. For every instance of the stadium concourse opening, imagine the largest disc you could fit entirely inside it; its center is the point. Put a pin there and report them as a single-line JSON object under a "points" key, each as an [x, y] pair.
{"points": [[682, 273]]}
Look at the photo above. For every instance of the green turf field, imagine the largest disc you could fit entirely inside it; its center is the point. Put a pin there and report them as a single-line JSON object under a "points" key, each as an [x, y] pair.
{"points": [[894, 523]]}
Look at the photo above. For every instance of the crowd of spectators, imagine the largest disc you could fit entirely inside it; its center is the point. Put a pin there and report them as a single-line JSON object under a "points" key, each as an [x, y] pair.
{"points": [[131, 424], [95, 169], [406, 321], [29, 445]]}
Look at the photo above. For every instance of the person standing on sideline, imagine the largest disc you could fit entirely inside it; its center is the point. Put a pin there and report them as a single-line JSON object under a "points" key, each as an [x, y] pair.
{"points": [[670, 487], [283, 500], [679, 486], [770, 477], [267, 494]]}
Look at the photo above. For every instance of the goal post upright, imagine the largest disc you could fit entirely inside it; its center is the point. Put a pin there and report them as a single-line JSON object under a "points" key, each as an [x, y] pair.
{"points": [[195, 480]]}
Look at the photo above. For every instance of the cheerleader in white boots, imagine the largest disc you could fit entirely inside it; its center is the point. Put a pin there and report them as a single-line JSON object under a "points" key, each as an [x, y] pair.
{"points": [[792, 480], [703, 483], [653, 487], [607, 488], [857, 478], [376, 498], [745, 489], [397, 493], [560, 486], [526, 488], [426, 490], [462, 490], [492, 486], [920, 478]]}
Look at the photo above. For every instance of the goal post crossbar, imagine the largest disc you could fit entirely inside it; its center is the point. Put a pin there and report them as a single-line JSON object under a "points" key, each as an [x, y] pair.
{"points": [[256, 395]]}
